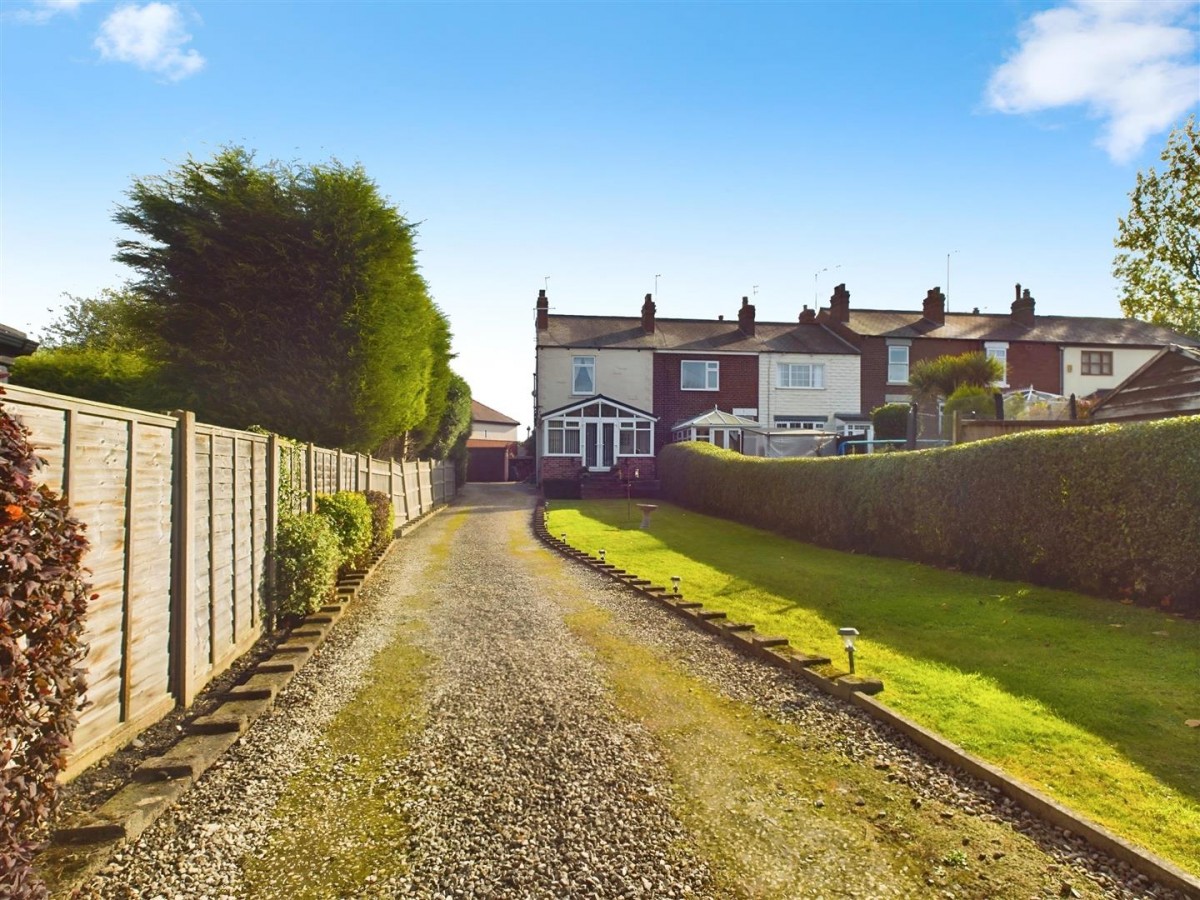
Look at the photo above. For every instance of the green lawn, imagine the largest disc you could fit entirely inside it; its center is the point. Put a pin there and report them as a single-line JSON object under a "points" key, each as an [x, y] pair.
{"points": [[1084, 698]]}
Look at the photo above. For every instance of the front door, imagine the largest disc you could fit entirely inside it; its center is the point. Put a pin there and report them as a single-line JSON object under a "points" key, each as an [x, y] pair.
{"points": [[599, 454]]}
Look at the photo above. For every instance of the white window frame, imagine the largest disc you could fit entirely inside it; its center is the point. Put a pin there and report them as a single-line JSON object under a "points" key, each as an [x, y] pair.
{"points": [[906, 362], [583, 362], [998, 350], [565, 426], [640, 431], [794, 423], [816, 376], [712, 374]]}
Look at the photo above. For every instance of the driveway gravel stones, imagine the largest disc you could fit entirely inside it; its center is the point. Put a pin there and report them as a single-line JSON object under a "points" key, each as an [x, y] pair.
{"points": [[524, 777]]}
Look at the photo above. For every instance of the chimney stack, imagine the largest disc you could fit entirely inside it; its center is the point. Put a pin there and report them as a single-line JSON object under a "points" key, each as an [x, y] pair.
{"points": [[935, 306], [746, 317], [648, 310], [808, 316], [839, 304], [543, 311], [1022, 308]]}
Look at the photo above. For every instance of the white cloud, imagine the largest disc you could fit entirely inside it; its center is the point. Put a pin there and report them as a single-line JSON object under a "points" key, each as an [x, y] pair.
{"points": [[42, 11], [1131, 63], [152, 37]]}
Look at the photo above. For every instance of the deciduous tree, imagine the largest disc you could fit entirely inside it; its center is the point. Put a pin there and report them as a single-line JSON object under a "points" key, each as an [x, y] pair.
{"points": [[1159, 262]]}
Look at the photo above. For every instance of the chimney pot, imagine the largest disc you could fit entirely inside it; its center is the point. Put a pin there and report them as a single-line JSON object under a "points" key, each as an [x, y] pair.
{"points": [[808, 315], [839, 304], [746, 317], [1023, 308], [934, 309], [648, 310]]}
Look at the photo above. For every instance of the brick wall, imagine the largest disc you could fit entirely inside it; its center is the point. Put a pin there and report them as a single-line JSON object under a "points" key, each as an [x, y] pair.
{"points": [[739, 387], [1036, 364], [561, 466], [1028, 363]]}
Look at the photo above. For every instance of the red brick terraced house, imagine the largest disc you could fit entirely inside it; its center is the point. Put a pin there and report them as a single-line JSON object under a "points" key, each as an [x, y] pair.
{"points": [[611, 389], [1057, 354]]}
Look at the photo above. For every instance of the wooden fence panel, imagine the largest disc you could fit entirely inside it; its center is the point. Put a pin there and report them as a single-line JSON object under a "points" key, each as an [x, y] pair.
{"points": [[180, 519], [200, 649], [221, 552], [148, 564]]}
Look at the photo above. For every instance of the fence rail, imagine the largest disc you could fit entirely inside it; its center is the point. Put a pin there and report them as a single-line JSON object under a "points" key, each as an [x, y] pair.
{"points": [[181, 520]]}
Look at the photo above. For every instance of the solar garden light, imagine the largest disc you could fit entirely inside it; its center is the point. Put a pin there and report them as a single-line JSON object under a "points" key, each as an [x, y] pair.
{"points": [[848, 635], [563, 537], [675, 579], [601, 554]]}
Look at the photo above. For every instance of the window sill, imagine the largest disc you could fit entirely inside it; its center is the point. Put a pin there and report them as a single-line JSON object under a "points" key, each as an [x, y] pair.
{"points": [[799, 388], [701, 390]]}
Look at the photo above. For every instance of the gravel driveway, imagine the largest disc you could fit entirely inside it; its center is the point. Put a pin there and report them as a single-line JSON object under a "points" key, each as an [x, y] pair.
{"points": [[530, 773]]}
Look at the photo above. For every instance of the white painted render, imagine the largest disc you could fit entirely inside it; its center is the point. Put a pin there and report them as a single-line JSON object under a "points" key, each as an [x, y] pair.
{"points": [[1125, 361], [624, 375], [494, 431], [841, 392]]}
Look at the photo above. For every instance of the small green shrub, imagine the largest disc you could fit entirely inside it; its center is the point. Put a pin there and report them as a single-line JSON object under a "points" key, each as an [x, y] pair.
{"points": [[383, 520], [307, 556], [42, 605], [350, 517], [1108, 510], [970, 402], [890, 421]]}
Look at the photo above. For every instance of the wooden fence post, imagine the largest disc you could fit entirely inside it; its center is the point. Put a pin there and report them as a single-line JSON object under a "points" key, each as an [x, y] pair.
{"points": [[310, 485], [273, 478], [404, 491], [183, 563], [338, 478]]}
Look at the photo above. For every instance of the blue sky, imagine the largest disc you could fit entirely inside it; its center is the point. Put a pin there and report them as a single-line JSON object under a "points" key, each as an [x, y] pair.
{"points": [[732, 149]]}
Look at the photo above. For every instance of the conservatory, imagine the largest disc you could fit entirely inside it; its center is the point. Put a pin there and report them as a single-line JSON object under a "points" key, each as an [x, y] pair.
{"points": [[596, 433]]}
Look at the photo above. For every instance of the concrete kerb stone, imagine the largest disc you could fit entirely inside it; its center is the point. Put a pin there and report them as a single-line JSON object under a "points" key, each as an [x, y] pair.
{"points": [[858, 691], [82, 846]]}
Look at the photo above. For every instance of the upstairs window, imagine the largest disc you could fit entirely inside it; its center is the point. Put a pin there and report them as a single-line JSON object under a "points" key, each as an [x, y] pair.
{"points": [[998, 350], [801, 375], [897, 364], [700, 375], [1096, 362], [583, 375]]}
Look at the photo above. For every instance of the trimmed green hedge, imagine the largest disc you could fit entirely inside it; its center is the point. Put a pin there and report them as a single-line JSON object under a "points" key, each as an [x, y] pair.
{"points": [[349, 516], [307, 556], [383, 522], [1109, 510]]}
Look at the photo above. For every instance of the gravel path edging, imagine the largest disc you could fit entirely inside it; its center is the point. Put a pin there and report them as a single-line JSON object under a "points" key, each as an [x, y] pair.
{"points": [[83, 845], [857, 691]]}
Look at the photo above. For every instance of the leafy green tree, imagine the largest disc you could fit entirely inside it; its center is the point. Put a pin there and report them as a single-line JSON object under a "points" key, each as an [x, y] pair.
{"points": [[943, 375], [286, 296], [118, 320], [1159, 262]]}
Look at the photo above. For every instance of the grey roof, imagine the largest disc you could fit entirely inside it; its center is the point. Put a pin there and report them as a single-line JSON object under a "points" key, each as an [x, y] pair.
{"points": [[1001, 327], [698, 335]]}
